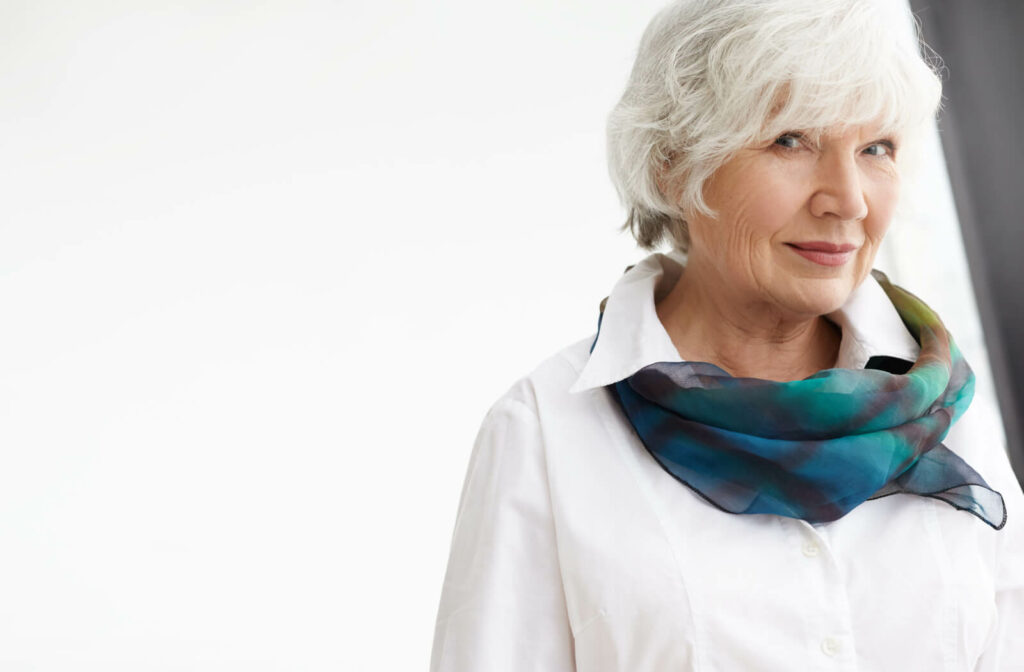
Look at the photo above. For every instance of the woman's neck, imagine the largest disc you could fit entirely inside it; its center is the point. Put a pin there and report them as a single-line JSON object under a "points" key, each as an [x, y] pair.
{"points": [[748, 339]]}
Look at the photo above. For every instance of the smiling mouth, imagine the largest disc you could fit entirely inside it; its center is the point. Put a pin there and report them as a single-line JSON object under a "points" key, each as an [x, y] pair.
{"points": [[823, 253]]}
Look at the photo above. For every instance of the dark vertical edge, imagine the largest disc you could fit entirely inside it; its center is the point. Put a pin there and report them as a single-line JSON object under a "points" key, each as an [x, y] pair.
{"points": [[967, 44]]}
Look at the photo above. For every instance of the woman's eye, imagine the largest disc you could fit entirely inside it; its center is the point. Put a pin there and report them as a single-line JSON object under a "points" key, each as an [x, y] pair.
{"points": [[885, 148], [789, 140]]}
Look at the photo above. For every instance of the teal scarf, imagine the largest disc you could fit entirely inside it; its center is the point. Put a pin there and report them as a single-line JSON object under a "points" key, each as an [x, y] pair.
{"points": [[814, 449]]}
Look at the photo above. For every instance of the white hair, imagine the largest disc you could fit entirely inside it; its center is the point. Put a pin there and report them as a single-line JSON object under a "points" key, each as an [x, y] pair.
{"points": [[714, 76]]}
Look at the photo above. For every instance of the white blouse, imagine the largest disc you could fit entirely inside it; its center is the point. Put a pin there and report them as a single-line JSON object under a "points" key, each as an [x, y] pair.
{"points": [[574, 550]]}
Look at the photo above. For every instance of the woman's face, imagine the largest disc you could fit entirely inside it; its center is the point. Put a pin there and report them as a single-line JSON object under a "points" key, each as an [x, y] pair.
{"points": [[799, 221]]}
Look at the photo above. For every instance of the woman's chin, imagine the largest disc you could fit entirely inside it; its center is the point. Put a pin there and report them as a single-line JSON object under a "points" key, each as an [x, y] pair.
{"points": [[817, 297], [826, 292]]}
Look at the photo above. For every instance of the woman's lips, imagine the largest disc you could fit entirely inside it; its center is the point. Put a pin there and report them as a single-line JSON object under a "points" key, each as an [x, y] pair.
{"points": [[825, 254]]}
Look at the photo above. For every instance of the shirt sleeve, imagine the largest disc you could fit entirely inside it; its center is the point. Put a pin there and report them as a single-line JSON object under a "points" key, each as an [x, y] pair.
{"points": [[503, 605]]}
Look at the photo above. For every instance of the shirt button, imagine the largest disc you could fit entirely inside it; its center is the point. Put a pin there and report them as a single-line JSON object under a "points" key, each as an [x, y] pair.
{"points": [[830, 646], [811, 549]]}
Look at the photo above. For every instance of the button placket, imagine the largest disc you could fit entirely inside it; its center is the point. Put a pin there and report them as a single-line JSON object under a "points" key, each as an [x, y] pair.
{"points": [[815, 548]]}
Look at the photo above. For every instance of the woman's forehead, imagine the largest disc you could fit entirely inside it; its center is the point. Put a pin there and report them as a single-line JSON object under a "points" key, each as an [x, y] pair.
{"points": [[840, 131], [820, 110], [827, 129]]}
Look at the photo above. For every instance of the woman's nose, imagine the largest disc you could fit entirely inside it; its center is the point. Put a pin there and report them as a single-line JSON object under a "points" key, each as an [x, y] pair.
{"points": [[839, 193]]}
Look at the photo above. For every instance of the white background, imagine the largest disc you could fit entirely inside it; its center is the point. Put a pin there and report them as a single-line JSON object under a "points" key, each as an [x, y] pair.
{"points": [[263, 268]]}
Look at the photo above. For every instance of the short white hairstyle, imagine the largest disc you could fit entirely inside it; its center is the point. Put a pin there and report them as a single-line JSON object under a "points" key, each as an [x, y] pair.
{"points": [[714, 76]]}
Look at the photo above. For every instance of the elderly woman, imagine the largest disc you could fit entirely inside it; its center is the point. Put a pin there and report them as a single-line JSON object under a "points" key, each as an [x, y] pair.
{"points": [[764, 459]]}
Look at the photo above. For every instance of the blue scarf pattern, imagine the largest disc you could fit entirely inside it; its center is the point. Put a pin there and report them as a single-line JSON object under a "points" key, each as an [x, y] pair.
{"points": [[816, 448]]}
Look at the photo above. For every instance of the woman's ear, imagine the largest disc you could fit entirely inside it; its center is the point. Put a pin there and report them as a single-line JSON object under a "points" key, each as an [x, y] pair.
{"points": [[667, 185], [662, 181]]}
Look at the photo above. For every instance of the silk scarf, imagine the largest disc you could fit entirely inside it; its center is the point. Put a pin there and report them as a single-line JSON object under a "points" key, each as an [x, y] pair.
{"points": [[816, 448]]}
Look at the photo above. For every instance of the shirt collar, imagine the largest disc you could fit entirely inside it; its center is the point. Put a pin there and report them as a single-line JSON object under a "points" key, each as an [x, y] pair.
{"points": [[633, 337]]}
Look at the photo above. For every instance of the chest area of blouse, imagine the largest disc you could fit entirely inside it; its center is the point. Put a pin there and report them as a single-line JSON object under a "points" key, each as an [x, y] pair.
{"points": [[656, 578]]}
